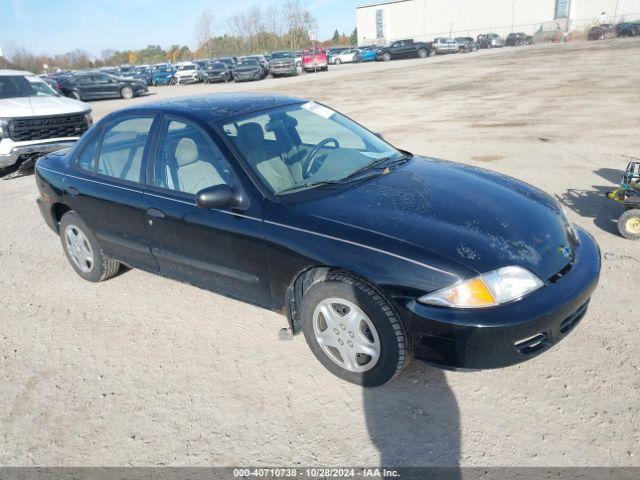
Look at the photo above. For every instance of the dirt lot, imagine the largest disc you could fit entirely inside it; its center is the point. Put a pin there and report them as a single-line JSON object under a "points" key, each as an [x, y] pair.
{"points": [[142, 370]]}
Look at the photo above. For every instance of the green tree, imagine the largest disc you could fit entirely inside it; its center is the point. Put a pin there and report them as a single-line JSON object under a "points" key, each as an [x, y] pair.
{"points": [[336, 37], [353, 38]]}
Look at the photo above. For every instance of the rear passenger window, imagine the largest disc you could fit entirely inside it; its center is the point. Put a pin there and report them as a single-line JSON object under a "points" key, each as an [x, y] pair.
{"points": [[122, 149]]}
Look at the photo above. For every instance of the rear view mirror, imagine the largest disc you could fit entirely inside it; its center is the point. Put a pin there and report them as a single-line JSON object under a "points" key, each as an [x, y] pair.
{"points": [[216, 197]]}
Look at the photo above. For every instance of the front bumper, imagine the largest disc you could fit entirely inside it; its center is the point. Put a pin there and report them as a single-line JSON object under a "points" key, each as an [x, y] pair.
{"points": [[511, 333], [40, 148]]}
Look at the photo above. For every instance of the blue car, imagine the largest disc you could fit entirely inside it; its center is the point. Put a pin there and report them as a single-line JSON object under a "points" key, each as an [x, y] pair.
{"points": [[163, 75], [368, 54]]}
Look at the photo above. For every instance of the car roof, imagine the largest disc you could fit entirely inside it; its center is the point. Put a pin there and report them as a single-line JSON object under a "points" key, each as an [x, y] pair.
{"points": [[217, 106], [21, 73]]}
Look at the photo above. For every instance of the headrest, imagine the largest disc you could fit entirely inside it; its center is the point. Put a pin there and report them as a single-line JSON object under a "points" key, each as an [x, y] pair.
{"points": [[285, 122], [250, 134], [186, 152]]}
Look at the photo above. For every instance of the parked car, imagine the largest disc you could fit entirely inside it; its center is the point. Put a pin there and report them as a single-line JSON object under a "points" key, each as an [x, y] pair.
{"points": [[467, 44], [283, 63], [490, 40], [229, 61], [52, 83], [314, 59], [445, 45], [289, 186], [601, 32], [188, 72], [144, 74], [628, 29], [94, 86], [262, 60], [351, 55], [298, 56], [248, 69], [404, 49], [34, 119], [368, 54], [163, 74], [518, 39], [217, 72]]}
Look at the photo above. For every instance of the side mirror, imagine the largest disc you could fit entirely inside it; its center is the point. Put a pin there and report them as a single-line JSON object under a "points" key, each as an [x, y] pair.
{"points": [[216, 196]]}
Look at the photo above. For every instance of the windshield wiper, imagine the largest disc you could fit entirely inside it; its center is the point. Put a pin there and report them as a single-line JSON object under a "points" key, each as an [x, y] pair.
{"points": [[374, 164], [304, 186]]}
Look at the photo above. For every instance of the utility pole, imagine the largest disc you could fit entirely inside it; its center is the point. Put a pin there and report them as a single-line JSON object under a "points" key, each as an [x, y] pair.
{"points": [[615, 12], [513, 14]]}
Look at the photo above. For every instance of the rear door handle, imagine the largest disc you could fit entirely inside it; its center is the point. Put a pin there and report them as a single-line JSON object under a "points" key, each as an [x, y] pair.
{"points": [[155, 213], [73, 191]]}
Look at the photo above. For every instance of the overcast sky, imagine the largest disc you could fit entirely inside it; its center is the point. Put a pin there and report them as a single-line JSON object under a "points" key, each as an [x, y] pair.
{"points": [[58, 26]]}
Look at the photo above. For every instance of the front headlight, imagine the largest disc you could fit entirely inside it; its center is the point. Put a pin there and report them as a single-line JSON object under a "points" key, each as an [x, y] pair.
{"points": [[487, 290]]}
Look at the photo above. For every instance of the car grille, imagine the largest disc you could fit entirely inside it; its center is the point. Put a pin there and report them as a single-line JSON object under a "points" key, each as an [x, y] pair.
{"points": [[43, 128]]}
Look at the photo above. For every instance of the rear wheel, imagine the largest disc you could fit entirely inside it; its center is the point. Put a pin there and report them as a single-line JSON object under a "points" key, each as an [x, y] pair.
{"points": [[629, 224], [386, 56], [353, 330], [76, 96], [83, 251], [422, 53], [126, 93]]}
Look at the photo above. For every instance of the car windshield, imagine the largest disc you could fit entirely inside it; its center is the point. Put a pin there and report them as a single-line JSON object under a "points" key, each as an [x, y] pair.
{"points": [[12, 86], [306, 145], [41, 89], [187, 67], [248, 61], [282, 55]]}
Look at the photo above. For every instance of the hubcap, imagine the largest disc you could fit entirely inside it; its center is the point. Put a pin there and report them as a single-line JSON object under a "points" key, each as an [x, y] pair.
{"points": [[79, 248], [633, 225], [346, 334]]}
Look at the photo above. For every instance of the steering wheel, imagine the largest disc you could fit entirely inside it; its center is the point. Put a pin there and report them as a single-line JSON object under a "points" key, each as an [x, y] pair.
{"points": [[309, 161]]}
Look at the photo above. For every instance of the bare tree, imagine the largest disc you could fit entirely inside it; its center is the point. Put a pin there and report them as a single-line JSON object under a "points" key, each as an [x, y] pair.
{"points": [[301, 26], [205, 32]]}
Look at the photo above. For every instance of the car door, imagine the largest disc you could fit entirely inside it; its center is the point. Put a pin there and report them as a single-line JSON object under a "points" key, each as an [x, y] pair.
{"points": [[106, 188], [87, 87], [218, 249], [109, 87]]}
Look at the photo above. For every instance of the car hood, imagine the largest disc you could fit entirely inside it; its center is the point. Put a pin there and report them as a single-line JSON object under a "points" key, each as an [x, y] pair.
{"points": [[40, 106], [473, 217]]}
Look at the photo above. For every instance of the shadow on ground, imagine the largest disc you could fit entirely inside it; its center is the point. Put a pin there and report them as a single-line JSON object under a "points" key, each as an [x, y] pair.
{"points": [[594, 204], [414, 420]]}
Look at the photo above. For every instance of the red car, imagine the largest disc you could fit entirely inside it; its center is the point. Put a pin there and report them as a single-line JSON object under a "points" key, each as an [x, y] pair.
{"points": [[314, 59]]}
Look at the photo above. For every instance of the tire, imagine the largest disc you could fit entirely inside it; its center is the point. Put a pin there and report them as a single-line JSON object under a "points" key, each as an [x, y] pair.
{"points": [[79, 245], [629, 224], [375, 327], [422, 53], [337, 61], [126, 93], [76, 96], [386, 56]]}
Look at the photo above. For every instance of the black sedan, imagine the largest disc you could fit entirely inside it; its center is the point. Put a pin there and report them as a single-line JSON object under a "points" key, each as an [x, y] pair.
{"points": [[94, 86], [217, 72], [375, 254]]}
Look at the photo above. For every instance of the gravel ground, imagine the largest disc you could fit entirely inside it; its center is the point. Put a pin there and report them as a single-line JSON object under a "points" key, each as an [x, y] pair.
{"points": [[142, 370]]}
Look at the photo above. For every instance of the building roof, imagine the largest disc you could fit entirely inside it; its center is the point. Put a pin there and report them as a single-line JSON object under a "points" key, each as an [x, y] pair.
{"points": [[377, 4]]}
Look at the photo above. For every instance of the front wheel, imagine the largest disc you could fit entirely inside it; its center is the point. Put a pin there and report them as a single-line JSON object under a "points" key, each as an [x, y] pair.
{"points": [[126, 93], [422, 53], [386, 57], [353, 330], [83, 251], [629, 224]]}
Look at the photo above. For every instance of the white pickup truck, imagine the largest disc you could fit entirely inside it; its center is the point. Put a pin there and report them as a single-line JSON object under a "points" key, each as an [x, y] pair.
{"points": [[35, 120]]}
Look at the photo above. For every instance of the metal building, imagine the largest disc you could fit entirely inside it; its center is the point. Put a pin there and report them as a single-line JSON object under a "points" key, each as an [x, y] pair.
{"points": [[382, 22]]}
